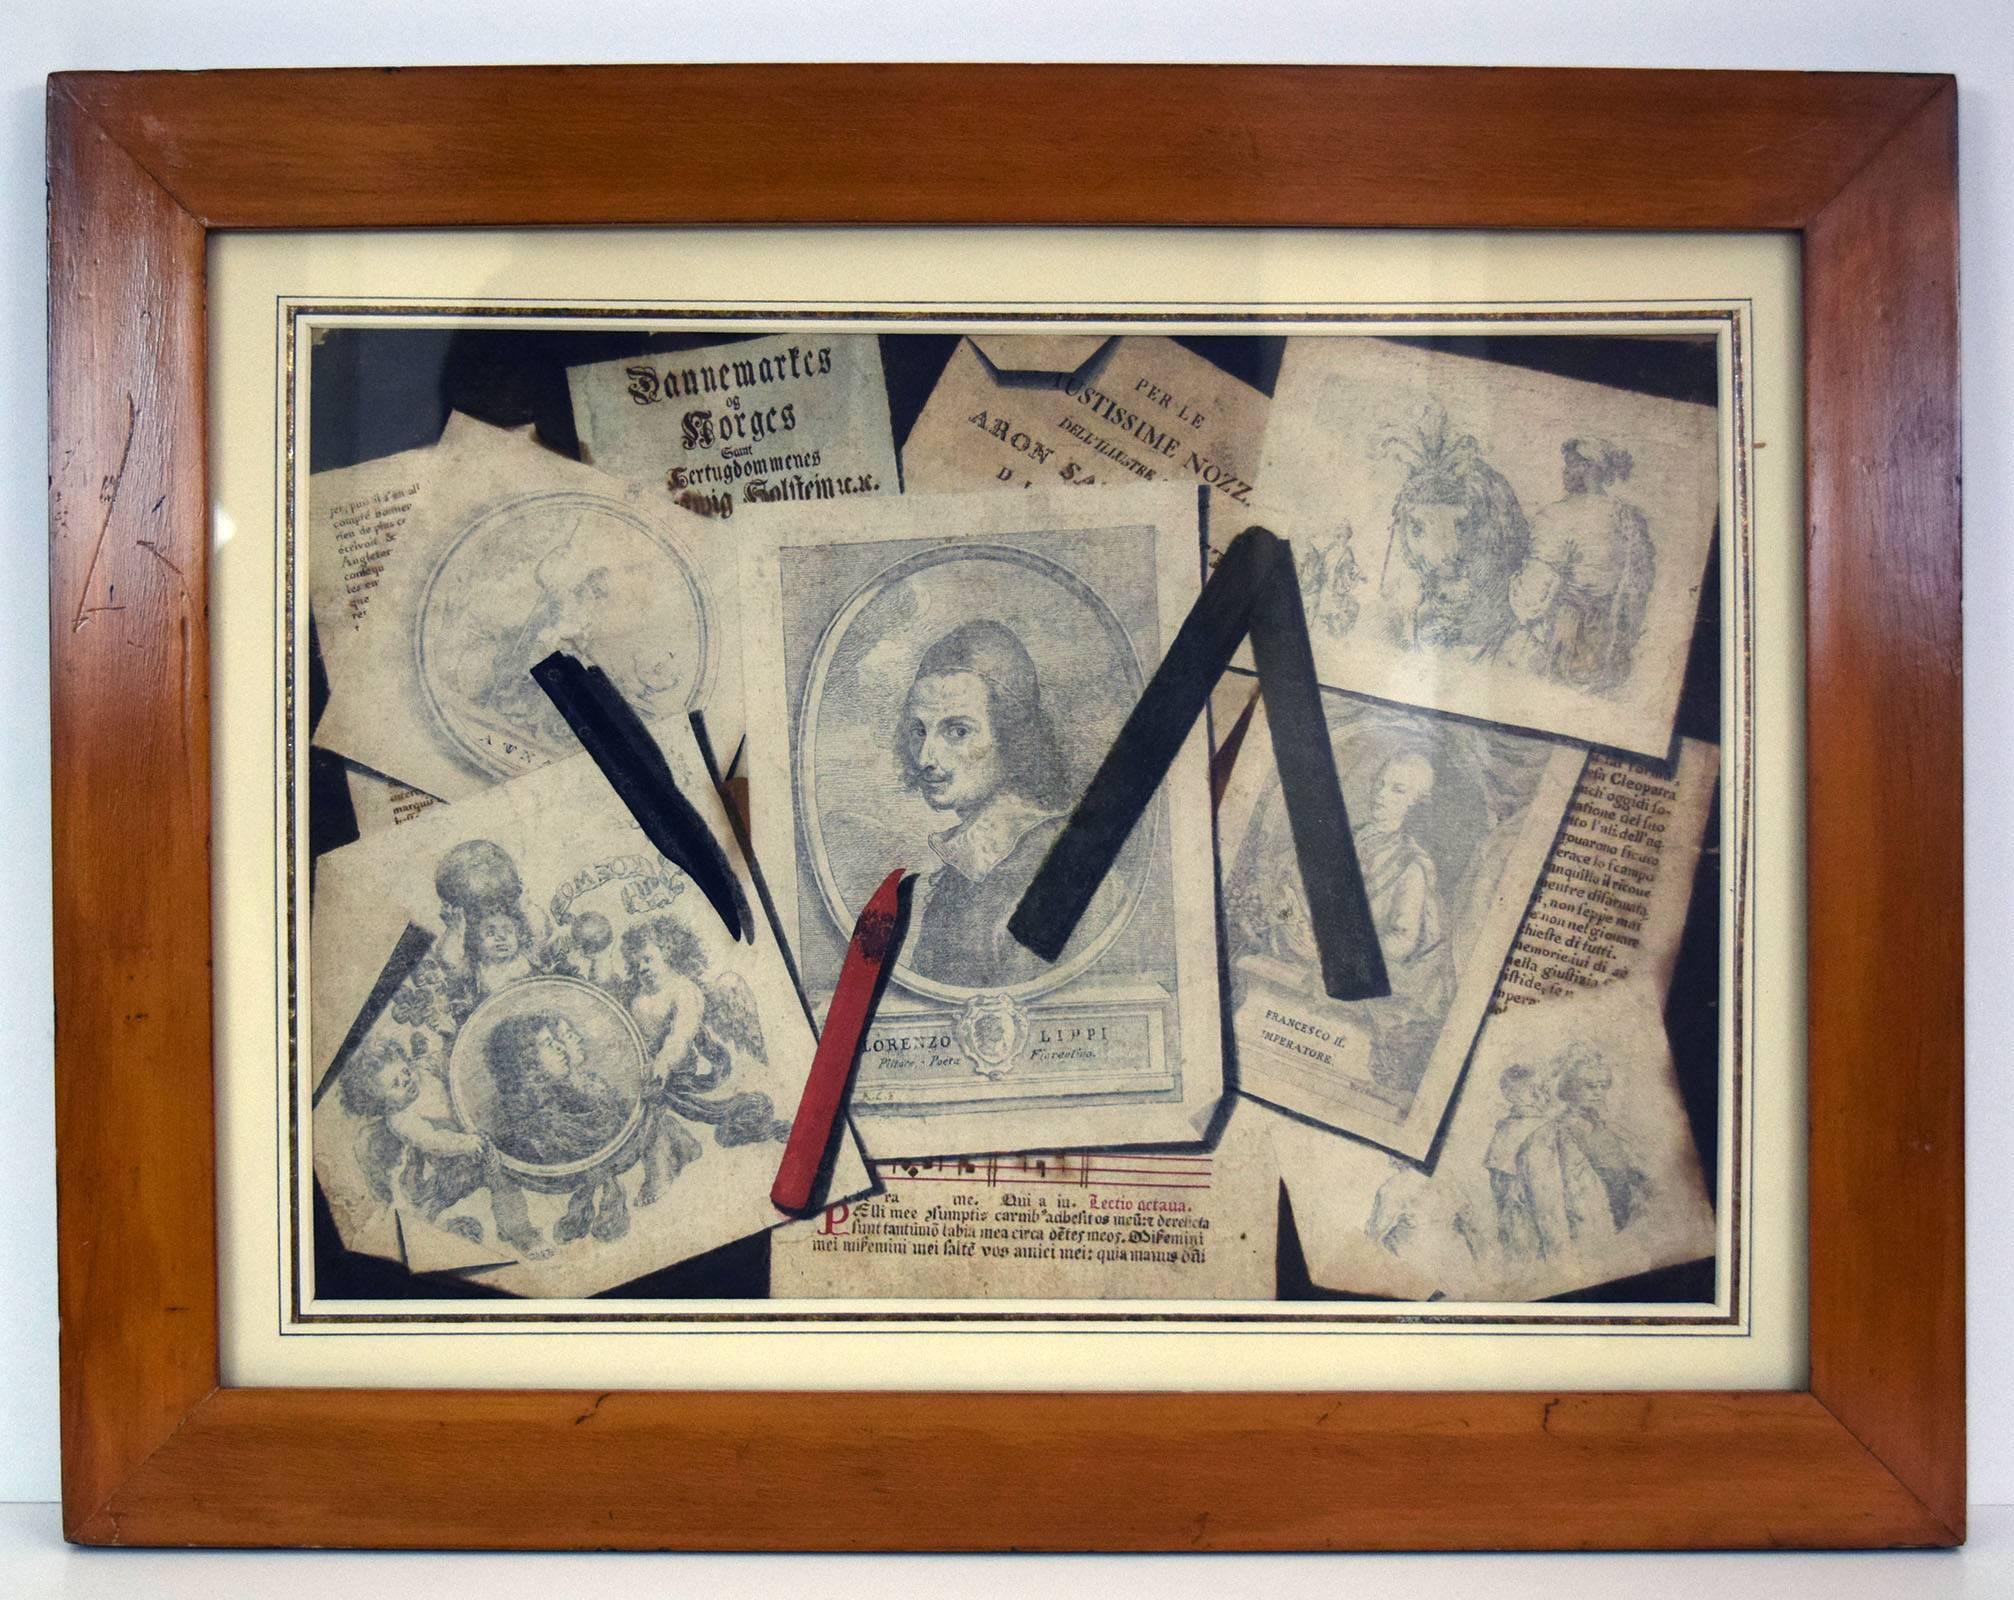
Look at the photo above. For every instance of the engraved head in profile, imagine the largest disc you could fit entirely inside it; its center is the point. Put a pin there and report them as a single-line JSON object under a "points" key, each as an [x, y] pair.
{"points": [[975, 741], [991, 1030], [581, 572]]}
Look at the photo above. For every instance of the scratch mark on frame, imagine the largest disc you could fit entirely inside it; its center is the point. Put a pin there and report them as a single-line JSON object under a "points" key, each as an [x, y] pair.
{"points": [[109, 493], [159, 554]]}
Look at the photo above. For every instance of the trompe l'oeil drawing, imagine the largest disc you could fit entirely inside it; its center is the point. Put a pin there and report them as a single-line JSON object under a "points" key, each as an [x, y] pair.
{"points": [[911, 585]]}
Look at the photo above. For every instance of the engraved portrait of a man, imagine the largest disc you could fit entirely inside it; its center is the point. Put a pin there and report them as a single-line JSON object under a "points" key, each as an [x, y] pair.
{"points": [[975, 741], [552, 1106]]}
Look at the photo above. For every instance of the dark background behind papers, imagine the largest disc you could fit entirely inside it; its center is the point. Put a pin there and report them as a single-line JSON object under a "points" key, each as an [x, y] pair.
{"points": [[377, 391]]}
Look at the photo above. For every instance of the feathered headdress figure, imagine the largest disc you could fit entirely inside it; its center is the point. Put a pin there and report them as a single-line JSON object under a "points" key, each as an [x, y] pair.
{"points": [[1457, 529], [1437, 458]]}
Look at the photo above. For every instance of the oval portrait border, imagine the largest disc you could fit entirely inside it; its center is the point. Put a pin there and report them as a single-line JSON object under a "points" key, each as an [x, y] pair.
{"points": [[539, 1174], [689, 568], [804, 782]]}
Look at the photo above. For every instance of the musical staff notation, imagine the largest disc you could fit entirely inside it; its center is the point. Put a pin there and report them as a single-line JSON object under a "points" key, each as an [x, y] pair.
{"points": [[1078, 1169]]}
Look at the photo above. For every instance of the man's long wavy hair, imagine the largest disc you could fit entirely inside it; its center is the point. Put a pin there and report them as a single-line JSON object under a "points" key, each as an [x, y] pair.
{"points": [[1031, 760], [511, 1050]]}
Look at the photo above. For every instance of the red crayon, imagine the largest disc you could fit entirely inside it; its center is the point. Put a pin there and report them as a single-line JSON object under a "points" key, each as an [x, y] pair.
{"points": [[845, 1021]]}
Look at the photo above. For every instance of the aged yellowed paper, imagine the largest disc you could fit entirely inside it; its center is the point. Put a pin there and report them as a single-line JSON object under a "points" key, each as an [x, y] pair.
{"points": [[509, 553], [1567, 1162], [1612, 899], [586, 1076], [1134, 410], [1505, 544], [1057, 1225], [379, 802], [931, 684], [355, 515], [761, 421], [1452, 823]]}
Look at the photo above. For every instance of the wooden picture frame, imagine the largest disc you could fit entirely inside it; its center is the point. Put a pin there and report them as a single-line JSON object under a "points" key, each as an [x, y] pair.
{"points": [[142, 167]]}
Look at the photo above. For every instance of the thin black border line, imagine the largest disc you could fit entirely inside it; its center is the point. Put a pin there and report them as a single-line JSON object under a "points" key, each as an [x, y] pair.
{"points": [[1744, 638], [390, 313], [958, 1322], [1725, 313], [285, 750]]}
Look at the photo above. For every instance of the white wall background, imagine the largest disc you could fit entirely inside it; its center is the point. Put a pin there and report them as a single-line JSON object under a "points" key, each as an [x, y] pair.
{"points": [[1974, 38]]}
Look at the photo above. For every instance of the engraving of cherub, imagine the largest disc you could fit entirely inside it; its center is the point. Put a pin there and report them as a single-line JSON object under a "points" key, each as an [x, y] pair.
{"points": [[487, 938], [697, 1026], [412, 1142]]}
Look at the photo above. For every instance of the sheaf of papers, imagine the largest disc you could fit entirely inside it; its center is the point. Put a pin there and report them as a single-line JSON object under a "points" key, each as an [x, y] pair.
{"points": [[536, 1061], [355, 515]]}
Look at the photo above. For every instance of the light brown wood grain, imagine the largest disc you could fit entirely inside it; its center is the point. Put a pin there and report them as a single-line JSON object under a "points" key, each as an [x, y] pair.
{"points": [[130, 716], [141, 167], [1292, 146], [1025, 1472], [1885, 809]]}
